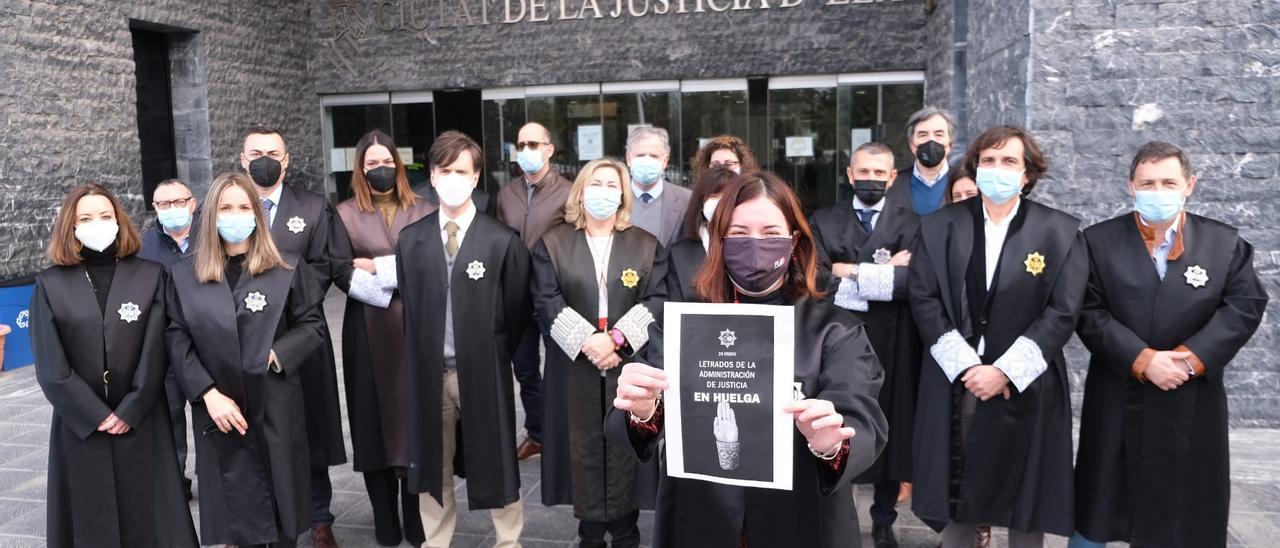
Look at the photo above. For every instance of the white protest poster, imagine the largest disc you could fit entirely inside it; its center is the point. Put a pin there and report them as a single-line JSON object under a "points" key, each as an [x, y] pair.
{"points": [[799, 147], [730, 370], [590, 142]]}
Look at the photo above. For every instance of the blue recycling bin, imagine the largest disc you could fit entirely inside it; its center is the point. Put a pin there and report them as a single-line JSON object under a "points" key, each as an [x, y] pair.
{"points": [[15, 301]]}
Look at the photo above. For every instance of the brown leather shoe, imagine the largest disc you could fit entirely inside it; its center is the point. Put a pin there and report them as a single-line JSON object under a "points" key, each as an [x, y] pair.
{"points": [[322, 537], [983, 537], [528, 448]]}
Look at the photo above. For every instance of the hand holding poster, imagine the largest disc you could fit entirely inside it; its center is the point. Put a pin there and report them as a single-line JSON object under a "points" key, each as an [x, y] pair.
{"points": [[730, 369]]}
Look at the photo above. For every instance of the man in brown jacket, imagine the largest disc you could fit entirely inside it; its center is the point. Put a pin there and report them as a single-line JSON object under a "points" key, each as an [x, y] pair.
{"points": [[532, 206]]}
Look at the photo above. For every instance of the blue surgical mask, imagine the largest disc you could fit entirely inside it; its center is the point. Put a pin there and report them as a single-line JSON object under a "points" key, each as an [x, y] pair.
{"points": [[530, 160], [174, 218], [999, 185], [1158, 205], [234, 228], [601, 201], [645, 169]]}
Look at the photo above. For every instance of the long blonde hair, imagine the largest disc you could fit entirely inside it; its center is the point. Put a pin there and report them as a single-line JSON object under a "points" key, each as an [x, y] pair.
{"points": [[211, 257], [574, 212]]}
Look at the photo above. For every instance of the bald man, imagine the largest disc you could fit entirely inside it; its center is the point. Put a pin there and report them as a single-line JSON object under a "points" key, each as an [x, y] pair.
{"points": [[532, 206]]}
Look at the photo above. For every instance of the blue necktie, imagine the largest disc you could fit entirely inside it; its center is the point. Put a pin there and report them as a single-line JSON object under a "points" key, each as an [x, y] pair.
{"points": [[267, 206], [646, 197], [864, 218]]}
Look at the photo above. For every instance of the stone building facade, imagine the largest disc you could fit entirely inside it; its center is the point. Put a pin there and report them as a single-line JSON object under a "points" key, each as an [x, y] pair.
{"points": [[1092, 79]]}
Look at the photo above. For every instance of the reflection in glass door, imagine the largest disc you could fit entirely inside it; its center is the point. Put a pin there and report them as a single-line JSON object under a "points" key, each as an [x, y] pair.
{"points": [[504, 113], [346, 119], [628, 105], [408, 117], [802, 137], [572, 114], [709, 108]]}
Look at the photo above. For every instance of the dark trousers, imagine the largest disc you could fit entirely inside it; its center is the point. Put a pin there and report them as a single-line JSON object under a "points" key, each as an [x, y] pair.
{"points": [[390, 497], [178, 416], [527, 365], [623, 532], [321, 497], [884, 502]]}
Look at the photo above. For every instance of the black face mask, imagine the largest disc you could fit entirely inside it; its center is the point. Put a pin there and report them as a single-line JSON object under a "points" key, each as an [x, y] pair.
{"points": [[265, 171], [381, 179], [755, 264], [931, 153], [869, 191]]}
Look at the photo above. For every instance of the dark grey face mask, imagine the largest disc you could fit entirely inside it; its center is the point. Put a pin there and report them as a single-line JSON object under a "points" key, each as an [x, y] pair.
{"points": [[755, 264], [265, 171], [869, 191], [931, 153], [381, 179]]}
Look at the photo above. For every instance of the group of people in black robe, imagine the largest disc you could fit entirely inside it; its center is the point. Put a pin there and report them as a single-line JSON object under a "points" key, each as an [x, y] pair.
{"points": [[931, 309]]}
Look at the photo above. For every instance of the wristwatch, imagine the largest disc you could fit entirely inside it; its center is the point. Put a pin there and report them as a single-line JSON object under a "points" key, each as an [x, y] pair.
{"points": [[1191, 370]]}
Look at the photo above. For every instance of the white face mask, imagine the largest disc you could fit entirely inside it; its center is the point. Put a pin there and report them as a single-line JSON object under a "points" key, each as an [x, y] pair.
{"points": [[454, 189], [97, 235], [709, 208], [601, 202]]}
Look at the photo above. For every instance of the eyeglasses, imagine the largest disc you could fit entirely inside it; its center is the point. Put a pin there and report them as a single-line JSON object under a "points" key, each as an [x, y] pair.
{"points": [[532, 145], [180, 202], [727, 164]]}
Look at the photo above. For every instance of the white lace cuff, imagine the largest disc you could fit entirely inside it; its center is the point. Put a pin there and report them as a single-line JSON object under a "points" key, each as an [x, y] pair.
{"points": [[1023, 363], [847, 296], [365, 288], [570, 330], [634, 325], [953, 355], [875, 282], [386, 267]]}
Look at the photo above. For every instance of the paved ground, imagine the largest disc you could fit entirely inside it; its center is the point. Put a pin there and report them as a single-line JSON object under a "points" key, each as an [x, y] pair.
{"points": [[24, 436]]}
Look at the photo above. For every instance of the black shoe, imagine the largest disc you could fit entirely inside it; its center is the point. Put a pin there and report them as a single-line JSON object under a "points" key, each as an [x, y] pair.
{"points": [[883, 537]]}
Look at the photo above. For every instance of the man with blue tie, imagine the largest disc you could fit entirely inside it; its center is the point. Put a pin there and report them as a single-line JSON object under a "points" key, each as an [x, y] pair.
{"points": [[930, 132], [659, 207], [299, 222], [865, 246]]}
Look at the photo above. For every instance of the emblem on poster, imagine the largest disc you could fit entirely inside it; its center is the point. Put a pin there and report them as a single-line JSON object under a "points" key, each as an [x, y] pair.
{"points": [[727, 338]]}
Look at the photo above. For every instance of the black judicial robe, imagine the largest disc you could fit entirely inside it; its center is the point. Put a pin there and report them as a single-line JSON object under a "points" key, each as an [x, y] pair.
{"points": [[254, 489], [1017, 459], [834, 361], [889, 327], [301, 229], [684, 260], [373, 339], [491, 307], [1152, 465], [601, 479], [105, 490]]}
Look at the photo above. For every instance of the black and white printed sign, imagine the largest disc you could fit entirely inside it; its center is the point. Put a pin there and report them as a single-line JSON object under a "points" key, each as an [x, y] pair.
{"points": [[730, 369]]}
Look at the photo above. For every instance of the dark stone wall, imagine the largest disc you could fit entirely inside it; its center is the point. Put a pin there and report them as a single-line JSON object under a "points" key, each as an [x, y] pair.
{"points": [[815, 37], [67, 101], [1106, 77]]}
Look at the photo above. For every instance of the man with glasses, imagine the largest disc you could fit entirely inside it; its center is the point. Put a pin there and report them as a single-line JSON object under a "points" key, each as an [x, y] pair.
{"points": [[299, 222], [532, 206], [165, 242]]}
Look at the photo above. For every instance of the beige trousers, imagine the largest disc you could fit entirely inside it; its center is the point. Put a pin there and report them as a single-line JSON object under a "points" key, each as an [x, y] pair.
{"points": [[438, 521]]}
